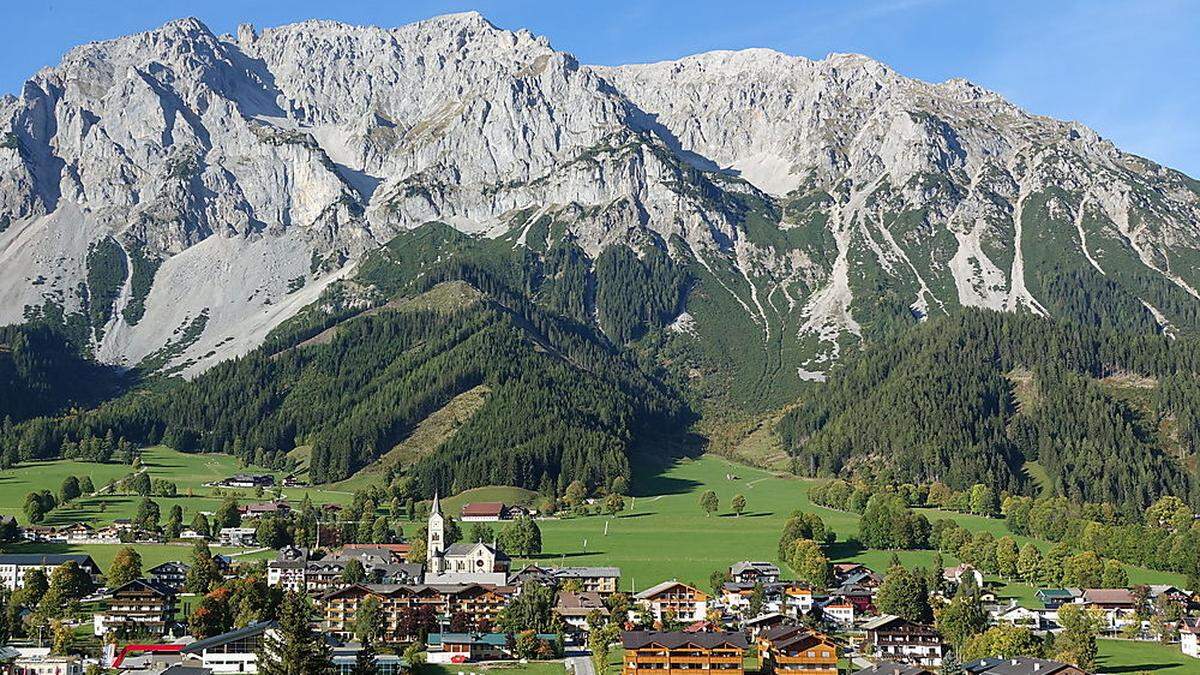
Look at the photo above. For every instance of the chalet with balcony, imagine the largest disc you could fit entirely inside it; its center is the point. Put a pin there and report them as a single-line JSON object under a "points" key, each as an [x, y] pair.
{"points": [[896, 639], [665, 653], [140, 607], [674, 598], [796, 649]]}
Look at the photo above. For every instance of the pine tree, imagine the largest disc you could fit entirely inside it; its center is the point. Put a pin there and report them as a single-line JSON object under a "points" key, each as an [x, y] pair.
{"points": [[297, 649]]}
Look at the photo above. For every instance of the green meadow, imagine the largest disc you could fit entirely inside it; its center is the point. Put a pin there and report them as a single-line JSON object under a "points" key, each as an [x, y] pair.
{"points": [[1127, 656], [664, 534], [190, 472]]}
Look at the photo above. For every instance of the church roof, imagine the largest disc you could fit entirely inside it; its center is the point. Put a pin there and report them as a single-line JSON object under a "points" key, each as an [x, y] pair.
{"points": [[464, 548]]}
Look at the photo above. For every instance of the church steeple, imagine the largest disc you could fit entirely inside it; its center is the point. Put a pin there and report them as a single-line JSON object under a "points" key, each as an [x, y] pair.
{"points": [[436, 541]]}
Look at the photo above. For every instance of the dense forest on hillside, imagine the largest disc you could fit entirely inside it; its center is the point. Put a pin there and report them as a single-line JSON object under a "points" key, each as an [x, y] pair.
{"points": [[941, 404], [43, 373], [564, 403]]}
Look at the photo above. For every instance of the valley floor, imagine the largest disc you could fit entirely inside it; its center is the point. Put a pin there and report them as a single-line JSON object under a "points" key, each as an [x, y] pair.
{"points": [[663, 534]]}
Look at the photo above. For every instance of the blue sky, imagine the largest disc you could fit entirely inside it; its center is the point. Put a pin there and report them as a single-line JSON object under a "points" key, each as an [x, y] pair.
{"points": [[1130, 69]]}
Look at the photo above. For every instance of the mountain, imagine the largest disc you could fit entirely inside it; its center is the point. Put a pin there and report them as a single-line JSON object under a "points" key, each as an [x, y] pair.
{"points": [[627, 247], [175, 195]]}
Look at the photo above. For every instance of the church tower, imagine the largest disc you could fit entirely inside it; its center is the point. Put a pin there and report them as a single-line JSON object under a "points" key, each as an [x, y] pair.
{"points": [[435, 544]]}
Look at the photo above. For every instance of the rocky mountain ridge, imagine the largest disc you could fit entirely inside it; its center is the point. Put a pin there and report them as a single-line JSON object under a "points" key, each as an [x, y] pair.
{"points": [[175, 194]]}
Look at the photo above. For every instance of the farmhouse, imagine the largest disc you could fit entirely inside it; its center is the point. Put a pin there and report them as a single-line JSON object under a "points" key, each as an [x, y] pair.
{"points": [[484, 512], [665, 653], [676, 599], [246, 480]]}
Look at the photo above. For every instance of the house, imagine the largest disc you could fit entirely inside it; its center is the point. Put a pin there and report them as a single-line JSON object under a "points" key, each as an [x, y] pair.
{"points": [[893, 668], [271, 508], [1016, 615], [674, 598], [238, 536], [1053, 598], [1189, 636], [246, 480], [735, 597], [1019, 665], [140, 607], [171, 574], [602, 580], [77, 533], [796, 649], [460, 562], [764, 622], [860, 597], [1116, 604], [749, 572], [475, 512], [893, 638], [839, 612], [665, 653], [856, 574], [797, 600], [233, 652], [575, 608], [954, 576], [14, 566]]}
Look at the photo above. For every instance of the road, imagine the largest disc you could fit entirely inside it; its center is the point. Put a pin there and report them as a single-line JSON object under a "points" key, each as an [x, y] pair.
{"points": [[580, 665]]}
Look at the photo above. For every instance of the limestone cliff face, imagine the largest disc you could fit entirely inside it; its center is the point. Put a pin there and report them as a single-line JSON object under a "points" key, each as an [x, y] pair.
{"points": [[239, 175]]}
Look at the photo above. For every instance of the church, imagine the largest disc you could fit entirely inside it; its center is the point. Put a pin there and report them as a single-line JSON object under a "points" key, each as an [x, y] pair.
{"points": [[461, 562]]}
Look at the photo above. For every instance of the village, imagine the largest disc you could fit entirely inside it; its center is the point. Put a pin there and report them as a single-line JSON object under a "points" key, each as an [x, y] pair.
{"points": [[454, 598]]}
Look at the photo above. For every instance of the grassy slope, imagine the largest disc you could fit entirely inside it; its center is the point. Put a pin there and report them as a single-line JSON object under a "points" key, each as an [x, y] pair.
{"points": [[493, 493], [664, 534], [425, 438], [1124, 656], [188, 472]]}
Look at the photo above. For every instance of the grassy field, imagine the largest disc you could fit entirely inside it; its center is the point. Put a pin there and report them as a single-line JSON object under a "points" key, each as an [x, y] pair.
{"points": [[664, 534], [188, 471], [1124, 656]]}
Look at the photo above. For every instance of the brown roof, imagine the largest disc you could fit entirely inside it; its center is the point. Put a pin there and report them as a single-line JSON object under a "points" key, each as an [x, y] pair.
{"points": [[579, 604], [781, 632], [1108, 596], [483, 509], [674, 639]]}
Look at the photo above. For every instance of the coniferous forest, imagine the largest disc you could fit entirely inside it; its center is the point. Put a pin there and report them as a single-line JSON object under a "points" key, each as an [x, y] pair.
{"points": [[577, 365]]}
